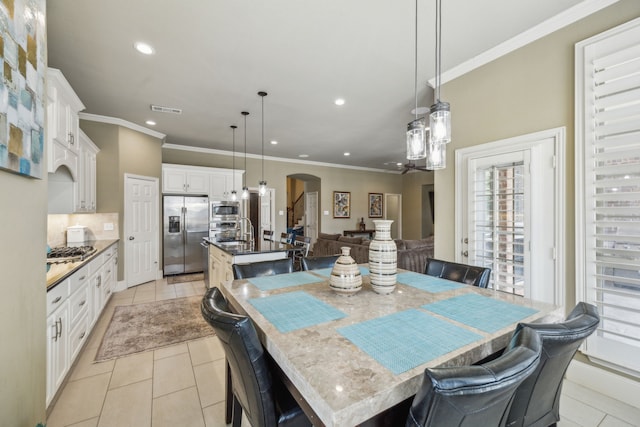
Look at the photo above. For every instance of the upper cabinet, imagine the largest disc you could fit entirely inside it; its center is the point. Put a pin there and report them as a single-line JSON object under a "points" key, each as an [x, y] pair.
{"points": [[184, 180], [85, 186], [213, 182], [63, 107]]}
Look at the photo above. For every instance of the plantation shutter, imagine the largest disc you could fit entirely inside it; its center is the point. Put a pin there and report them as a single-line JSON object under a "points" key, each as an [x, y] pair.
{"points": [[499, 225], [610, 205]]}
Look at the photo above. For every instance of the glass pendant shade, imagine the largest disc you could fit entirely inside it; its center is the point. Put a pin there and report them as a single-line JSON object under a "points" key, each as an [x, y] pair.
{"points": [[416, 139], [234, 195], [436, 155], [440, 123], [245, 193], [262, 188]]}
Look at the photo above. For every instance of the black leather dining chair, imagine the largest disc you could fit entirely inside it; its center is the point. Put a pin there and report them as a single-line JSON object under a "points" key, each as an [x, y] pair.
{"points": [[477, 395], [462, 273], [537, 401], [265, 401], [318, 262], [262, 268]]}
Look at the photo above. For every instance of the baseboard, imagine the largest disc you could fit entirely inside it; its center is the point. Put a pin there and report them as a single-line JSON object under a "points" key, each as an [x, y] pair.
{"points": [[121, 286], [615, 386]]}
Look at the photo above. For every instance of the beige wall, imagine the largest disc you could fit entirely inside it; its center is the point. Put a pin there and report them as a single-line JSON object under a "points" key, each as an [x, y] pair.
{"points": [[359, 183], [23, 227], [122, 151], [529, 90]]}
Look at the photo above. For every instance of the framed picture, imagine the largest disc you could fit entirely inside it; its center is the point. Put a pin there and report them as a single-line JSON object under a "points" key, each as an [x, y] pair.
{"points": [[375, 205], [341, 204]]}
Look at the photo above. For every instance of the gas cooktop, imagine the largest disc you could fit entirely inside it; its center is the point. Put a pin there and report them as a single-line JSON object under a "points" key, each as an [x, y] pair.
{"points": [[64, 254]]}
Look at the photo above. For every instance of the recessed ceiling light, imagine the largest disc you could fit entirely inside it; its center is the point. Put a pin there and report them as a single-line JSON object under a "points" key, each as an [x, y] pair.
{"points": [[303, 155], [339, 101], [144, 48], [399, 164], [347, 154], [150, 122], [274, 142]]}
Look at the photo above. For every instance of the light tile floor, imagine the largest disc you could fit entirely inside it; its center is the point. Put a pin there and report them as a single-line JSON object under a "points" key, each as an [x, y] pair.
{"points": [[183, 385]]}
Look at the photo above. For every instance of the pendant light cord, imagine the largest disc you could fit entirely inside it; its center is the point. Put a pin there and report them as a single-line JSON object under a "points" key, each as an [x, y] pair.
{"points": [[415, 81], [262, 96], [244, 175], [234, 156], [438, 48]]}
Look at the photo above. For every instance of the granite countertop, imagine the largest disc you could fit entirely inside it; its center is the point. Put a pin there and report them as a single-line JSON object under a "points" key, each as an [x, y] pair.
{"points": [[56, 273], [245, 248]]}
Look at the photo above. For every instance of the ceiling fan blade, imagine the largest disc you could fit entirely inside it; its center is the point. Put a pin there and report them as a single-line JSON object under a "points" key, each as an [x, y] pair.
{"points": [[405, 171]]}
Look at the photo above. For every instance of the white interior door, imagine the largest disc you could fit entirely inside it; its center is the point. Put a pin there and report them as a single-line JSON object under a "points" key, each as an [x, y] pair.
{"points": [[266, 212], [141, 217], [311, 215], [393, 211]]}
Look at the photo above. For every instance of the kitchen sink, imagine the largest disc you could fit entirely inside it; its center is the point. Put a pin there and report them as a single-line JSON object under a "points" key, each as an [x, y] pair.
{"points": [[233, 243]]}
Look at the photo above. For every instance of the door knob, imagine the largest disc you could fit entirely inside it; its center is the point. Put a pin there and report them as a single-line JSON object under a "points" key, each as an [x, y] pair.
{"points": [[465, 253], [131, 237]]}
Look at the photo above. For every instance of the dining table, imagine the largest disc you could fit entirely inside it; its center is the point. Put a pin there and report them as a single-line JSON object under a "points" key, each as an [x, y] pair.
{"points": [[348, 358]]}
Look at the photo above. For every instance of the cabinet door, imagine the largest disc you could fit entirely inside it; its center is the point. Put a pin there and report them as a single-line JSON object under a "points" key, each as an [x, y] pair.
{"points": [[174, 181], [218, 186], [197, 183], [97, 294], [57, 349]]}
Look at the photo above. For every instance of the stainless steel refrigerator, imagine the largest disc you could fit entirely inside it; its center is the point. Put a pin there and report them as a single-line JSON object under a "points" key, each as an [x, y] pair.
{"points": [[186, 222]]}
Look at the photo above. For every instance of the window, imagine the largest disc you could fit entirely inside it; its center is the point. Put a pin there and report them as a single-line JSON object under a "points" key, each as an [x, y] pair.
{"points": [[510, 213], [608, 191]]}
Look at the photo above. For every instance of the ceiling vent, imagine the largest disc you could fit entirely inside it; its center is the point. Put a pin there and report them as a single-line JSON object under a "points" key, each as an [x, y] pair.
{"points": [[161, 109]]}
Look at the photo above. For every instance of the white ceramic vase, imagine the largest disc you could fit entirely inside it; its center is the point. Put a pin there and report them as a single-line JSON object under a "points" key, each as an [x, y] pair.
{"points": [[383, 259], [345, 275]]}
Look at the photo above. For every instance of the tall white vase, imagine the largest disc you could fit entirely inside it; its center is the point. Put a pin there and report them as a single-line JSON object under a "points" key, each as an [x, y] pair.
{"points": [[383, 258]]}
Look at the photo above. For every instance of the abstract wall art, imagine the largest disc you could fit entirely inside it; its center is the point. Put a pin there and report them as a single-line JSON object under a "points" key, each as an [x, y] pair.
{"points": [[23, 66]]}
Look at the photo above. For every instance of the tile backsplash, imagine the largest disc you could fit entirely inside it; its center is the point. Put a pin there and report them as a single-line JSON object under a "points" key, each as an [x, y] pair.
{"points": [[57, 226]]}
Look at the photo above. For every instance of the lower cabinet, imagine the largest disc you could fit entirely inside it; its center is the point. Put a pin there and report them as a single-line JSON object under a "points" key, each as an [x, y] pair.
{"points": [[73, 307], [220, 263]]}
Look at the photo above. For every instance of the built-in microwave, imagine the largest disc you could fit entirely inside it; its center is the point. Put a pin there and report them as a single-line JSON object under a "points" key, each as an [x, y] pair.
{"points": [[225, 211]]}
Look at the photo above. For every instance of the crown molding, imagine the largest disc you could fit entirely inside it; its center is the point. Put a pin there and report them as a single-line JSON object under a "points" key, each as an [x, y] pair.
{"points": [[169, 146], [123, 123], [541, 30]]}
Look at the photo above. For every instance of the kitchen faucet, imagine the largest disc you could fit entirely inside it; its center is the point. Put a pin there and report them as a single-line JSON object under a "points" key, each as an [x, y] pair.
{"points": [[251, 230]]}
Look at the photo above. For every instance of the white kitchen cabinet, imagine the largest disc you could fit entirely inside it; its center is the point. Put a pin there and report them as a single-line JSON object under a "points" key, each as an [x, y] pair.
{"points": [[85, 185], [184, 180], [62, 122], [222, 183], [215, 182], [57, 337], [73, 306]]}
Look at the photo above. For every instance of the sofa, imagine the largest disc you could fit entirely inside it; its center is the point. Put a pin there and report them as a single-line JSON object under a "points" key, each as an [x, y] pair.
{"points": [[412, 254]]}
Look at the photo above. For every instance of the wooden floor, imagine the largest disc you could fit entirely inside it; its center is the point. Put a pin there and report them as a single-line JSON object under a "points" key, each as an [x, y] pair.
{"points": [[183, 385]]}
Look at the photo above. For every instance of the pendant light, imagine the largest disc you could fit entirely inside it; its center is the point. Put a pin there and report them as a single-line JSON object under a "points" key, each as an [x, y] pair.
{"points": [[416, 130], [262, 187], [234, 193], [245, 190], [440, 114]]}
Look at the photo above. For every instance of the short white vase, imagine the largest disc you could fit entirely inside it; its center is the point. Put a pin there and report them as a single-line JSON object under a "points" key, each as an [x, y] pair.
{"points": [[383, 259], [345, 275]]}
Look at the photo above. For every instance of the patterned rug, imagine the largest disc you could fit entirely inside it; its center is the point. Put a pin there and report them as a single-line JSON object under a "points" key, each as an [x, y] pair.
{"points": [[182, 278], [142, 327]]}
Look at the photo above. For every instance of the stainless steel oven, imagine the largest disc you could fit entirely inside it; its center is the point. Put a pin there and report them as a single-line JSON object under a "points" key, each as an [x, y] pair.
{"points": [[224, 224], [225, 211]]}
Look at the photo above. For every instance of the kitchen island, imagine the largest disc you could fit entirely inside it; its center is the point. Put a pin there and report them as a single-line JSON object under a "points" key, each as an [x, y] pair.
{"points": [[222, 255]]}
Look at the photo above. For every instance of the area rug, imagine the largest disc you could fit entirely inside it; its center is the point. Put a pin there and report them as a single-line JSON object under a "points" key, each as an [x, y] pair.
{"points": [[142, 327], [182, 278]]}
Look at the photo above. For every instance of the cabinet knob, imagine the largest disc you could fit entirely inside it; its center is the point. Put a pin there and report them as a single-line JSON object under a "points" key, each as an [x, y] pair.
{"points": [[131, 238]]}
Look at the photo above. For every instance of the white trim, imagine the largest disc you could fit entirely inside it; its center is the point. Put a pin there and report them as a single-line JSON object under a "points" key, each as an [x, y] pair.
{"points": [[541, 30], [518, 143], [120, 122], [169, 146], [604, 382]]}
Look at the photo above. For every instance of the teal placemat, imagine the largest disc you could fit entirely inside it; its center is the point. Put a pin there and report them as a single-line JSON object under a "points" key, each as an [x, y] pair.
{"points": [[295, 310], [484, 313], [269, 283], [427, 283], [404, 340], [327, 271]]}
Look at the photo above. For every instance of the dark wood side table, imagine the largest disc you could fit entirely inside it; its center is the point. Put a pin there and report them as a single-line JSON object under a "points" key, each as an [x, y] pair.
{"points": [[353, 233]]}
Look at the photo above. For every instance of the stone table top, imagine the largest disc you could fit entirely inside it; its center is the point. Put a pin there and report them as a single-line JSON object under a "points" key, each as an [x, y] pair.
{"points": [[342, 384]]}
